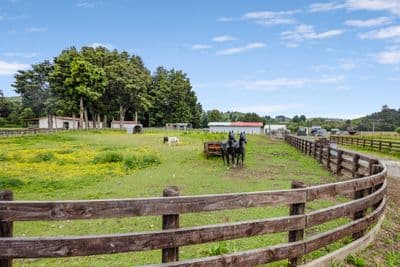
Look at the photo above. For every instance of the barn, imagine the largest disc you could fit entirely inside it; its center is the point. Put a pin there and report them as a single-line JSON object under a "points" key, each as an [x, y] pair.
{"points": [[274, 128], [130, 126], [236, 127], [61, 122]]}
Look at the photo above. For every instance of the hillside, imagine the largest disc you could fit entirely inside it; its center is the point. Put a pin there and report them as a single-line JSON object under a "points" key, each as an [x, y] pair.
{"points": [[387, 119]]}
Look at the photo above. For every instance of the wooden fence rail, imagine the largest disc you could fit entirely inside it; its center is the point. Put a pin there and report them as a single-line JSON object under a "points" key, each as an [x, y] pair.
{"points": [[378, 145], [367, 183], [21, 132]]}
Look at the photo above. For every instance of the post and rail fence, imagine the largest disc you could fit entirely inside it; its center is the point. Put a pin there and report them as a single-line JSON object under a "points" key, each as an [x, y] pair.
{"points": [[372, 144], [366, 182]]}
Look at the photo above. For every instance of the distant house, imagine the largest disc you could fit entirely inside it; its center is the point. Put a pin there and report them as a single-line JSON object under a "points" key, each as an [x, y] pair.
{"points": [[236, 127], [182, 126], [272, 128], [130, 126], [61, 122]]}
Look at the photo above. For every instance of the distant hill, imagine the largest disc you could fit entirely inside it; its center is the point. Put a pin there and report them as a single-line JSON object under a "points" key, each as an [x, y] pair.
{"points": [[387, 119]]}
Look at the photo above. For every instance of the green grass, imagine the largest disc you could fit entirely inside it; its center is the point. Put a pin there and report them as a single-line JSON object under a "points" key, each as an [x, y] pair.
{"points": [[112, 164]]}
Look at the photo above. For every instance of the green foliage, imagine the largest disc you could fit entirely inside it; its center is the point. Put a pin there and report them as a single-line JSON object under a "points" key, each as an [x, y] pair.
{"points": [[135, 162], [108, 157], [45, 156], [217, 249], [10, 183], [397, 130], [356, 260], [386, 120], [393, 258]]}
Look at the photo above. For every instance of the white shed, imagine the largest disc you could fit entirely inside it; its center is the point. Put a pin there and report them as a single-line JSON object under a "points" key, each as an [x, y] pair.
{"points": [[236, 127], [271, 128], [61, 122], [130, 126]]}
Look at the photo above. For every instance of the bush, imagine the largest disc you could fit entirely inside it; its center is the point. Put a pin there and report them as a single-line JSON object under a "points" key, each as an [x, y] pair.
{"points": [[108, 157], [397, 130], [132, 162], [46, 156], [10, 183]]}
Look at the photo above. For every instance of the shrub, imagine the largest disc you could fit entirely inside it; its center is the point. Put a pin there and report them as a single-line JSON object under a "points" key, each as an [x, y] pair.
{"points": [[46, 156], [397, 130], [10, 183], [3, 157], [140, 161], [108, 157]]}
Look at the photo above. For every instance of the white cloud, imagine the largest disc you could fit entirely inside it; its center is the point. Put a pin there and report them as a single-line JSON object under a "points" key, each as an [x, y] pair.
{"points": [[86, 4], [307, 32], [236, 50], [318, 7], [223, 38], [201, 47], [36, 29], [9, 68], [108, 46], [392, 6], [283, 83], [225, 19], [380, 21], [389, 57], [264, 109], [385, 33], [19, 54], [271, 17]]}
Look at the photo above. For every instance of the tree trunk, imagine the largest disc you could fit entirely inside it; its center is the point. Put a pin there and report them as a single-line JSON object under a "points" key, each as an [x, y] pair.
{"points": [[86, 118], [136, 117], [121, 116], [93, 119], [105, 121], [81, 108], [49, 121], [73, 121], [98, 121]]}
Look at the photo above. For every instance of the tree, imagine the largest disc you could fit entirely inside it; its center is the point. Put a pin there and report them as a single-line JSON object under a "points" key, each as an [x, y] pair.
{"points": [[34, 87], [173, 99], [214, 115], [88, 83]]}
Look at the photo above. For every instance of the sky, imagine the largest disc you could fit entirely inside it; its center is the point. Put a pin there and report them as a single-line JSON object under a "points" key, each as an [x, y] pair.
{"points": [[336, 59]]}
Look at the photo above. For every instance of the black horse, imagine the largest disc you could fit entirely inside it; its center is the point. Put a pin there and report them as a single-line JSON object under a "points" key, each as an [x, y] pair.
{"points": [[227, 149], [240, 149]]}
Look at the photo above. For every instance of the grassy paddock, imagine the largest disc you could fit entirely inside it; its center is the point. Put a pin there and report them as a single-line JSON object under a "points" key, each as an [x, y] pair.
{"points": [[112, 164]]}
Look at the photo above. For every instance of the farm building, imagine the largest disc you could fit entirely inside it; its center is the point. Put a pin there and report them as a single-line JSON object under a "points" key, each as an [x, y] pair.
{"points": [[61, 122], [236, 127], [183, 126], [131, 126], [272, 128]]}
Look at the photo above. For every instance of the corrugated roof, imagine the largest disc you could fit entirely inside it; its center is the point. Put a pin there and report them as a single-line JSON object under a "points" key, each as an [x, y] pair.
{"points": [[237, 124], [247, 124]]}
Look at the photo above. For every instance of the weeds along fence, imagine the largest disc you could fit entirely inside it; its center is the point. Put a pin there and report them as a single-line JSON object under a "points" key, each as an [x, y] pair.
{"points": [[366, 210], [378, 145]]}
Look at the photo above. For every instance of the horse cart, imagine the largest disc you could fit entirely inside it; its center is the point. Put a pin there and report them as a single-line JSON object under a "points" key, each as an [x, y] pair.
{"points": [[212, 148]]}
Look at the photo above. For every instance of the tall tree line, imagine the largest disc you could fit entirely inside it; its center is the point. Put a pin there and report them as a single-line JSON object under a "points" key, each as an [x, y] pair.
{"points": [[97, 84]]}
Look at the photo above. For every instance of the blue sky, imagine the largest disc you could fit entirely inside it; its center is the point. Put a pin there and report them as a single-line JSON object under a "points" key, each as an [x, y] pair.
{"points": [[318, 58]]}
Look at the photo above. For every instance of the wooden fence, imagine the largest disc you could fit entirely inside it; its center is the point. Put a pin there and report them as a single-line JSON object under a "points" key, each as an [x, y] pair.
{"points": [[378, 145], [21, 132], [368, 188]]}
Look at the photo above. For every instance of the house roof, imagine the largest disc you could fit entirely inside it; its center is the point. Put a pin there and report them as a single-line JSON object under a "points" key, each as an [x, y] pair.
{"points": [[236, 124], [61, 118]]}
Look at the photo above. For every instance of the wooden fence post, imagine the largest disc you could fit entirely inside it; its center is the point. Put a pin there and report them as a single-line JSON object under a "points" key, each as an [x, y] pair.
{"points": [[356, 165], [328, 158], [339, 162], [170, 221], [296, 235], [6, 228], [321, 151]]}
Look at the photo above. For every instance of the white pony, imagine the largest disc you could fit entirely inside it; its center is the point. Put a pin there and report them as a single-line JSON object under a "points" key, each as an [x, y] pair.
{"points": [[171, 140]]}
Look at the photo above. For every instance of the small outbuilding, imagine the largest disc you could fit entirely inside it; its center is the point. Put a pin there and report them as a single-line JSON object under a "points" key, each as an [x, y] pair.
{"points": [[274, 128], [236, 127], [130, 126], [180, 126]]}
